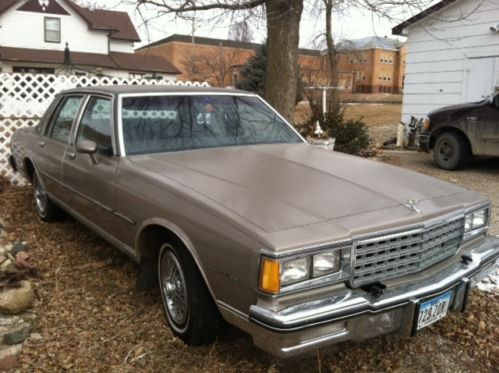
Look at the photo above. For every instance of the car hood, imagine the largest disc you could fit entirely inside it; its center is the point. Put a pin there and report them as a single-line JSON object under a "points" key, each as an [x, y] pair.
{"points": [[456, 110], [277, 187]]}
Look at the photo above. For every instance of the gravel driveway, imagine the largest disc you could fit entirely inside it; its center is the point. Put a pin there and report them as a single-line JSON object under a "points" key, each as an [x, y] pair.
{"points": [[92, 318]]}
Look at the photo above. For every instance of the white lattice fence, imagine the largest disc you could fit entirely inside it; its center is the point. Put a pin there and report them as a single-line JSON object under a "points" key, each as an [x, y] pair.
{"points": [[24, 98]]}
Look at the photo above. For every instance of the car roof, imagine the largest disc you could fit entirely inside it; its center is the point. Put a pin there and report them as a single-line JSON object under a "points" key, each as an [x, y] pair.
{"points": [[139, 89]]}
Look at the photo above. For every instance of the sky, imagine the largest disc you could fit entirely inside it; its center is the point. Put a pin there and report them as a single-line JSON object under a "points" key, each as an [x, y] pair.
{"points": [[349, 24]]}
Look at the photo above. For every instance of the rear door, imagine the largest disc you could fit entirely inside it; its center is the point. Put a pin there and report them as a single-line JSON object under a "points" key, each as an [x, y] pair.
{"points": [[92, 183], [53, 145]]}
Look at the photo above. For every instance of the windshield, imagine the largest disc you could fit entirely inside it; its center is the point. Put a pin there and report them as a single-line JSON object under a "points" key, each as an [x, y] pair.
{"points": [[154, 124]]}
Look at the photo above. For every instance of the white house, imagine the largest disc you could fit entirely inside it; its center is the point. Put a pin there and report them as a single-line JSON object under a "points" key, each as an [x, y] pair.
{"points": [[34, 35], [453, 55]]}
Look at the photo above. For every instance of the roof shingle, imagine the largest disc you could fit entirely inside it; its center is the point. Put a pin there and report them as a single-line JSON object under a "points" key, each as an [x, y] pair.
{"points": [[115, 60]]}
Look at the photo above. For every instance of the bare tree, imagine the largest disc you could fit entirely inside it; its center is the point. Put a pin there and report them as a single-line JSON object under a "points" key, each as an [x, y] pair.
{"points": [[283, 22], [191, 66], [241, 31], [217, 65], [283, 26]]}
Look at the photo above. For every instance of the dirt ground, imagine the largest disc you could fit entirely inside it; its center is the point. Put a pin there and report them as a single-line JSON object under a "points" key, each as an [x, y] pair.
{"points": [[92, 318]]}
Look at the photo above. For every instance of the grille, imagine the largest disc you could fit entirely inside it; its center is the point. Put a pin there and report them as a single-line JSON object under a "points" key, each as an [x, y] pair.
{"points": [[403, 253]]}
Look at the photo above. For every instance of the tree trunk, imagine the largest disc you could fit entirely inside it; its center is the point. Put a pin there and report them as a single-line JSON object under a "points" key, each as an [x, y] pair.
{"points": [[334, 100], [283, 36]]}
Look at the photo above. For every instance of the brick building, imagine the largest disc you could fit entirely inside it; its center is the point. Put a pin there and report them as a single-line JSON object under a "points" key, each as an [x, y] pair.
{"points": [[216, 61], [368, 65], [371, 65]]}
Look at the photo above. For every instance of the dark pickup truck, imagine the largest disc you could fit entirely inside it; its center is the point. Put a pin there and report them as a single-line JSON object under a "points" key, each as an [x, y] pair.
{"points": [[457, 132]]}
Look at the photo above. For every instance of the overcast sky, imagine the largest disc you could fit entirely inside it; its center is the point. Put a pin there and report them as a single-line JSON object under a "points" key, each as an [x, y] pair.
{"points": [[347, 25]]}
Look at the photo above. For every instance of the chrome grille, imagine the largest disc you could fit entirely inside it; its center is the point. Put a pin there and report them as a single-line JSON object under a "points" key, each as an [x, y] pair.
{"points": [[406, 252]]}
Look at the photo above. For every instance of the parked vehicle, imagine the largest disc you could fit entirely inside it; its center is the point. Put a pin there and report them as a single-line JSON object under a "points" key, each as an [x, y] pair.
{"points": [[458, 132], [239, 219]]}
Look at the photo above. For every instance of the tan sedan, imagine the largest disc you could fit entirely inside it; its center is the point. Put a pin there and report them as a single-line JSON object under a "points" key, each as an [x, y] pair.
{"points": [[238, 219]]}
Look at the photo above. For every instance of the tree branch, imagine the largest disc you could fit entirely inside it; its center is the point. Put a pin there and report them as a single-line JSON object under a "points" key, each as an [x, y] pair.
{"points": [[190, 6]]}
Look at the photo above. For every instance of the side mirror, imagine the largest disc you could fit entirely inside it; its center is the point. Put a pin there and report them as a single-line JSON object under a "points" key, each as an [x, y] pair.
{"points": [[87, 147], [495, 101]]}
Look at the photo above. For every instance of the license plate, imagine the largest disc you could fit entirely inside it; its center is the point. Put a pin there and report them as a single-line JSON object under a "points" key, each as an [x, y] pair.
{"points": [[434, 309]]}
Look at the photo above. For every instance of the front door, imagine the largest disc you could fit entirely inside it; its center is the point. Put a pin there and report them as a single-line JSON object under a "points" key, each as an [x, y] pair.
{"points": [[91, 181]]}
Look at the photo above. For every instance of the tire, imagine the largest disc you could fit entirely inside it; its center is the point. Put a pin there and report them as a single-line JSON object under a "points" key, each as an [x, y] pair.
{"points": [[451, 151], [188, 306], [47, 210]]}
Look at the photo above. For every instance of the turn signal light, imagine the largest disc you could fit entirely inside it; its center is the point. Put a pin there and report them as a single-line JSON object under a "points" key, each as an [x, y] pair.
{"points": [[270, 276]]}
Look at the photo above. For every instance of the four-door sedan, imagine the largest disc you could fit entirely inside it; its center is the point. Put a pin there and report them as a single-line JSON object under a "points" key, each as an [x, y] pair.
{"points": [[458, 132], [224, 204]]}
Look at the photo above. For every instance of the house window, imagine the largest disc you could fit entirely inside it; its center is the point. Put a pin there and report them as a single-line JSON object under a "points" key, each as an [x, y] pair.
{"points": [[52, 30]]}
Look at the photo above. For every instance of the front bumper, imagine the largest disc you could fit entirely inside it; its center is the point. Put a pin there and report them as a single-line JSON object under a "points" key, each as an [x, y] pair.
{"points": [[358, 315], [424, 141]]}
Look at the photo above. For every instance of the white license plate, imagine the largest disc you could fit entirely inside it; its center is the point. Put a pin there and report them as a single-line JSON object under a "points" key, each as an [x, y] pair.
{"points": [[434, 309]]}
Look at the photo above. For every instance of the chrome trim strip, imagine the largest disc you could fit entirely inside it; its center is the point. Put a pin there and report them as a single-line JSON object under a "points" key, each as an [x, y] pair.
{"points": [[314, 342], [120, 215], [189, 93], [119, 127], [233, 310], [80, 117], [308, 250], [77, 120], [104, 207], [389, 236], [106, 236]]}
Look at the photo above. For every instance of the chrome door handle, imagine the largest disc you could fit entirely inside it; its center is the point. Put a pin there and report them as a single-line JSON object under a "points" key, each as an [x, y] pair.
{"points": [[473, 119], [41, 144], [71, 155]]}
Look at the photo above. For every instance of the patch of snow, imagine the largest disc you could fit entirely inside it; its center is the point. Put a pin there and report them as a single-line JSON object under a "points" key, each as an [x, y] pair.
{"points": [[491, 282]]}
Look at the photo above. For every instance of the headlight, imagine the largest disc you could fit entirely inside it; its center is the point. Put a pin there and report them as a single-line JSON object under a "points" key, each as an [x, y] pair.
{"points": [[325, 263], [426, 123], [475, 222], [277, 274], [295, 271]]}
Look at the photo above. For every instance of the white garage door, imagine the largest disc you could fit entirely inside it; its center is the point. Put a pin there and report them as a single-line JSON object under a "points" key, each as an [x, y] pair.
{"points": [[482, 78]]}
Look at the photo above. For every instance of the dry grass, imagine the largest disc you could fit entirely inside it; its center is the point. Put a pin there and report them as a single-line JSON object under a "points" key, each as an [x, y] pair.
{"points": [[92, 318], [374, 114], [381, 119]]}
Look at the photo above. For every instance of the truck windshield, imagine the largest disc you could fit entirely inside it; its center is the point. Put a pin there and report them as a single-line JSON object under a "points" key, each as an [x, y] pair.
{"points": [[156, 124]]}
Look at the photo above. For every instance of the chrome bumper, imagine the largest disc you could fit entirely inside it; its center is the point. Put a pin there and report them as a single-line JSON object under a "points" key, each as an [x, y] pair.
{"points": [[358, 315]]}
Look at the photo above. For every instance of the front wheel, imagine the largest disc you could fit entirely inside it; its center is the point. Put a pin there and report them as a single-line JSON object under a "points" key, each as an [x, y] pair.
{"points": [[187, 303], [450, 151]]}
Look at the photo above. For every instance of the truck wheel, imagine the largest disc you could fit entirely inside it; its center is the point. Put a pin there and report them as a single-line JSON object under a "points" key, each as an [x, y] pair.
{"points": [[47, 210], [187, 303], [450, 151]]}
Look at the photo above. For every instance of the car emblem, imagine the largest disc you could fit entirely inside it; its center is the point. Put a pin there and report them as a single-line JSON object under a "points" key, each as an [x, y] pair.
{"points": [[411, 204]]}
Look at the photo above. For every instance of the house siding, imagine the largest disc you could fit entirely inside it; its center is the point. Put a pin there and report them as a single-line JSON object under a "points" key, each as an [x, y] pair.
{"points": [[121, 46], [27, 29], [444, 50]]}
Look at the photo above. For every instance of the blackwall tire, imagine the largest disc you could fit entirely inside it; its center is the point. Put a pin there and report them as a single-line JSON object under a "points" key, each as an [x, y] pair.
{"points": [[450, 151]]}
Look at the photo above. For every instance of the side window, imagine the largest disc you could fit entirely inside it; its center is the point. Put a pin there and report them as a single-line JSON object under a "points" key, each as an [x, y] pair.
{"points": [[61, 125], [95, 124]]}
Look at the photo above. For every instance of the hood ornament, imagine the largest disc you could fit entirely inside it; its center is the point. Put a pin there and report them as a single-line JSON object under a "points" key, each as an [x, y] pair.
{"points": [[411, 205]]}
